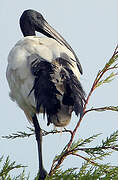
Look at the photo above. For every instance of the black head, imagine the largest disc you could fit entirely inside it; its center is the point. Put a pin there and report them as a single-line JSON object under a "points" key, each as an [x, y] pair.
{"points": [[31, 21]]}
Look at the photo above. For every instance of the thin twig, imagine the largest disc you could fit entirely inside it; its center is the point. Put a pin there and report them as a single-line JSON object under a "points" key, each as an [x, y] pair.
{"points": [[59, 162], [86, 159], [109, 108], [45, 133], [102, 147]]}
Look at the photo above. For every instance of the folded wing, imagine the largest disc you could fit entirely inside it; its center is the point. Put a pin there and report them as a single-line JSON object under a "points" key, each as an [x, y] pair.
{"points": [[57, 90]]}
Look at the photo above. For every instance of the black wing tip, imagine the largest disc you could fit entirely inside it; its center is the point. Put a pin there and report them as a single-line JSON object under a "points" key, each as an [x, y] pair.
{"points": [[75, 93], [80, 68]]}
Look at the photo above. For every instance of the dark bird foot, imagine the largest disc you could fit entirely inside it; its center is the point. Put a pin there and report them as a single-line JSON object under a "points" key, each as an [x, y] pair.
{"points": [[42, 174]]}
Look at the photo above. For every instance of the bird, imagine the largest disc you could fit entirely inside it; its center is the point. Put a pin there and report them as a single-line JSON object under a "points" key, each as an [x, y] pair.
{"points": [[43, 74]]}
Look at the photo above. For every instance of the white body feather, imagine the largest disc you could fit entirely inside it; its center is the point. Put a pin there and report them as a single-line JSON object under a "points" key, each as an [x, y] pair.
{"points": [[19, 74]]}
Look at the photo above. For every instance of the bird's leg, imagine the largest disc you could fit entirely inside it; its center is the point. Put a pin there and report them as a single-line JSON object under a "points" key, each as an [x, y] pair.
{"points": [[38, 134]]}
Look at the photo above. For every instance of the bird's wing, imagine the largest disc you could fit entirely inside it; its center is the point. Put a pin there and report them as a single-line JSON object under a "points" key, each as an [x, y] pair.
{"points": [[55, 87], [73, 88], [44, 88]]}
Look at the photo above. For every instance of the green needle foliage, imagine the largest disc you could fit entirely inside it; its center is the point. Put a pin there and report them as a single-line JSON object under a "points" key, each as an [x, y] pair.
{"points": [[106, 80], [93, 167], [87, 172], [7, 166]]}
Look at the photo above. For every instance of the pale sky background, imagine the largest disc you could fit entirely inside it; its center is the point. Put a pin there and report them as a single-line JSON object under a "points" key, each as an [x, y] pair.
{"points": [[91, 28]]}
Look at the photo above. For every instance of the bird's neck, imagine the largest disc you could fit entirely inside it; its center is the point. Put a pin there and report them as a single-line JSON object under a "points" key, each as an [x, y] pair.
{"points": [[27, 29]]}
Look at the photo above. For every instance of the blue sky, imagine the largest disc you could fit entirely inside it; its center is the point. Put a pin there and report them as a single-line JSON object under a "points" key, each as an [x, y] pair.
{"points": [[91, 28]]}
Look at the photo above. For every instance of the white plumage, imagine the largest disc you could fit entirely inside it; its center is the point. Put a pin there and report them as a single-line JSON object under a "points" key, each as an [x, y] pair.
{"points": [[19, 75]]}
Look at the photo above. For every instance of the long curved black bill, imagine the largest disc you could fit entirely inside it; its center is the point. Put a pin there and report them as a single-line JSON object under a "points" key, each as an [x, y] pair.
{"points": [[52, 33]]}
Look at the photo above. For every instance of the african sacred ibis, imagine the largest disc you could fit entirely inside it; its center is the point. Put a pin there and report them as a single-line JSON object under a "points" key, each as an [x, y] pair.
{"points": [[43, 76]]}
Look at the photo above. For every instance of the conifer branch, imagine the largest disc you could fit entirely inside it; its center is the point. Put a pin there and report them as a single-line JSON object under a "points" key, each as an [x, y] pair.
{"points": [[97, 82], [101, 109], [23, 134], [9, 166]]}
